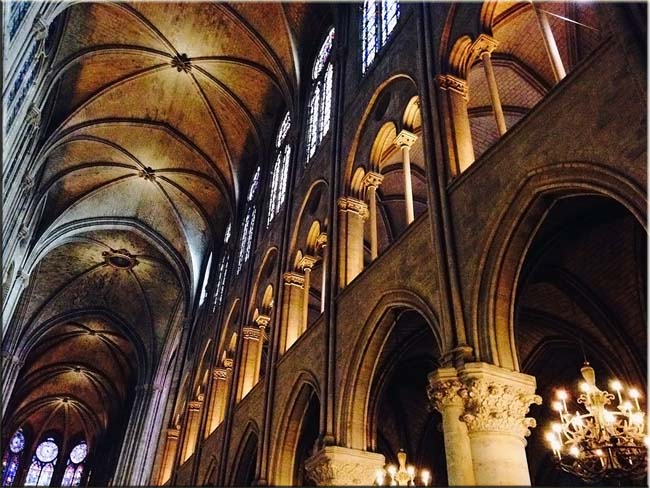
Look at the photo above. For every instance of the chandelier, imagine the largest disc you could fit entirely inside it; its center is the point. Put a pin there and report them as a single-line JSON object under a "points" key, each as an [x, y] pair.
{"points": [[404, 475], [603, 442]]}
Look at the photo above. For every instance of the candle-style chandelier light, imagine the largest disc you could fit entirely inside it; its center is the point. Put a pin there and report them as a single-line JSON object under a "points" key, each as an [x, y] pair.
{"points": [[404, 475], [606, 442]]}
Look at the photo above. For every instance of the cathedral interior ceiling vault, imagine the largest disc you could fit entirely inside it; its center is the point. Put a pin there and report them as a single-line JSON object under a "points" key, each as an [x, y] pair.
{"points": [[156, 116]]}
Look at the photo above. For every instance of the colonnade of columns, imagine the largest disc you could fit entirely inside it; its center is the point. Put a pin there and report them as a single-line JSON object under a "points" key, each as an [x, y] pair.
{"points": [[484, 425], [454, 93]]}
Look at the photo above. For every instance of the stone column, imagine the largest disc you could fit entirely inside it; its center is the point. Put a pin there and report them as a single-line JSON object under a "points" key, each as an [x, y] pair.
{"points": [[262, 322], [340, 466], [352, 215], [549, 43], [448, 394], [482, 48], [495, 413], [171, 446], [250, 353], [321, 243], [404, 141], [291, 309], [219, 397], [306, 263], [193, 418], [454, 96], [372, 181]]}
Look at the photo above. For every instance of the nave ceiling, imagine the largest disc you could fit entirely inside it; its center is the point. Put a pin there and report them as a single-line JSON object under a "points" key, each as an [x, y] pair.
{"points": [[156, 116]]}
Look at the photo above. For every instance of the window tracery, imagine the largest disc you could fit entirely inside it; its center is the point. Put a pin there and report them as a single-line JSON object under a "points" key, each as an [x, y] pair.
{"points": [[11, 458], [280, 170], [223, 270], [320, 102], [379, 18], [248, 225], [75, 468], [43, 462]]}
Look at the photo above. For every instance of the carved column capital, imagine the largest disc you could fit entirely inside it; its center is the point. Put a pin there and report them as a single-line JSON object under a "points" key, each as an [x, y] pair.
{"points": [[339, 466], [227, 363], [372, 179], [444, 392], [483, 44], [349, 204], [173, 433], [251, 333], [405, 139], [262, 321], [307, 261], [293, 278], [451, 83], [220, 374], [27, 185], [23, 232], [196, 404], [498, 400]]}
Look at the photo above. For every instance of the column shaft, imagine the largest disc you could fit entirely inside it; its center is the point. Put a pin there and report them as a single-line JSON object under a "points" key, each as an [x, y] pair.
{"points": [[494, 92], [549, 43], [305, 307], [352, 215], [193, 416], [408, 185], [218, 399], [292, 306], [248, 368], [455, 95], [372, 206], [171, 446]]}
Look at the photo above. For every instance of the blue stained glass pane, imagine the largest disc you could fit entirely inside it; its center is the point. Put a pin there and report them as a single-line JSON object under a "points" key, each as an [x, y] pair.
{"points": [[17, 12]]}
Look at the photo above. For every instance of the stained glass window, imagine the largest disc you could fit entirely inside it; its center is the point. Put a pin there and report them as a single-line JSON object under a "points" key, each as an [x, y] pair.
{"points": [[320, 102], [75, 468], [21, 84], [11, 458], [378, 20], [223, 270], [280, 170], [248, 225], [42, 467], [17, 11], [204, 291]]}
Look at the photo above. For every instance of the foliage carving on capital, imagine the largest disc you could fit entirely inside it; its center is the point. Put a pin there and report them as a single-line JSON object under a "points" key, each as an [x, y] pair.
{"points": [[251, 333], [449, 82], [349, 204], [447, 393], [330, 473], [498, 407], [220, 374]]}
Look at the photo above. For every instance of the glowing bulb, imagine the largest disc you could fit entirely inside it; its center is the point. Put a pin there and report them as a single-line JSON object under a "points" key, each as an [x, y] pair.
{"points": [[576, 421], [392, 470], [627, 406], [584, 387], [556, 428], [637, 418], [599, 452], [574, 451], [379, 476], [411, 471], [634, 393], [557, 406], [646, 441], [555, 445], [550, 437], [616, 385], [609, 417], [424, 475], [562, 395]]}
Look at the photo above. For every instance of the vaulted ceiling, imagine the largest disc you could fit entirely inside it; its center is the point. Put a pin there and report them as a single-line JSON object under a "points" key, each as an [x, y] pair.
{"points": [[155, 118]]}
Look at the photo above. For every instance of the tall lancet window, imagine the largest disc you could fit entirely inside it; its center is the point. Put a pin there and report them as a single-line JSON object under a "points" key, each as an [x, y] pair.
{"points": [[206, 276], [223, 271], [248, 225], [43, 462], [320, 102], [378, 20], [75, 468], [11, 458], [280, 169]]}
